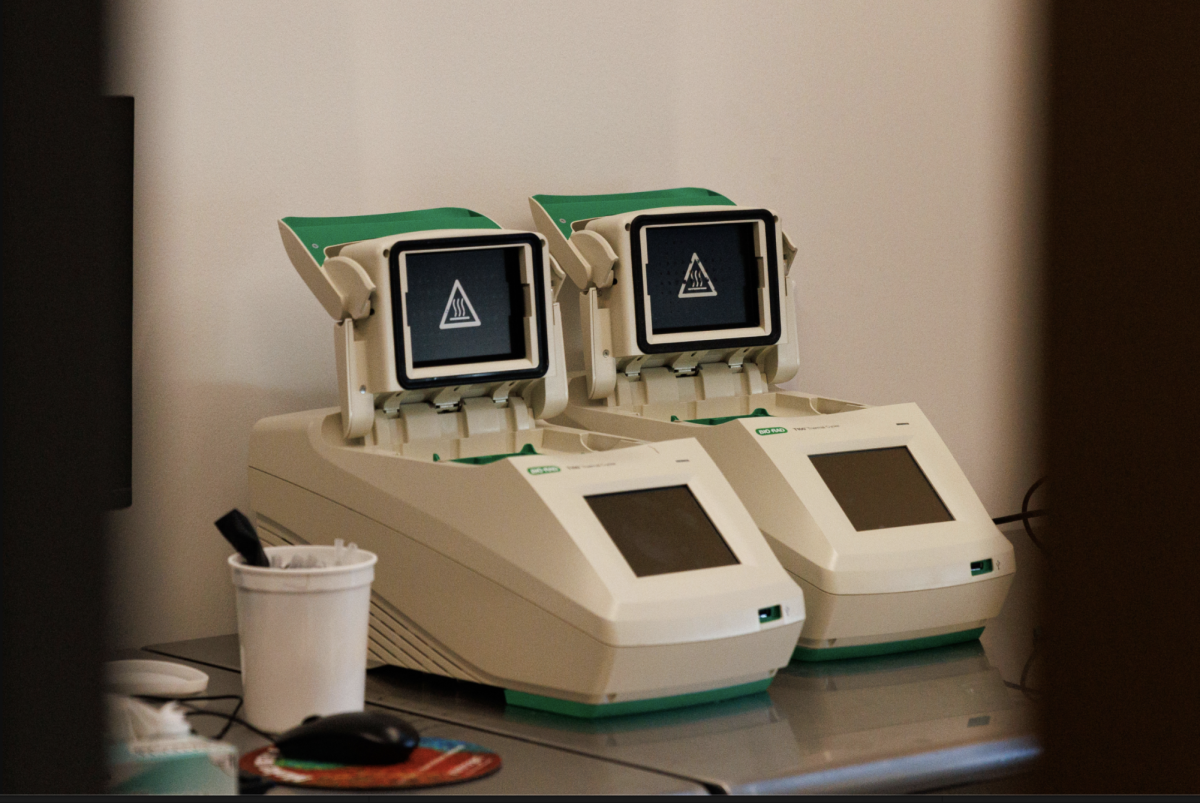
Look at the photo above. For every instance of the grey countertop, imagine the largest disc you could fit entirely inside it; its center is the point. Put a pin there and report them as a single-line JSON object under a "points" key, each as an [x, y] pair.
{"points": [[911, 722], [528, 767]]}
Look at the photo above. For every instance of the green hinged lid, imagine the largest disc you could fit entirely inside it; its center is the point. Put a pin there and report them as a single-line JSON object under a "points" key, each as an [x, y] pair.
{"points": [[318, 233], [566, 209]]}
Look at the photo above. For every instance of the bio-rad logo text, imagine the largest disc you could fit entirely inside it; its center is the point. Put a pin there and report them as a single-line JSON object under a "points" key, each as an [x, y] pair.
{"points": [[771, 430], [543, 470]]}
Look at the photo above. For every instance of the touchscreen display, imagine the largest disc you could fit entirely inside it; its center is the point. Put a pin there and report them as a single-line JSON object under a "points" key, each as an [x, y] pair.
{"points": [[702, 277], [465, 306], [880, 488], [662, 530]]}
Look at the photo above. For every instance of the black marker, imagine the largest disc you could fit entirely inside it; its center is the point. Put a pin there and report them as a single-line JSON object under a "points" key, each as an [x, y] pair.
{"points": [[240, 533]]}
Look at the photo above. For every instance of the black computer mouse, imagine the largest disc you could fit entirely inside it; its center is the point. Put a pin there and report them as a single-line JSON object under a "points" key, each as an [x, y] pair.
{"points": [[358, 737]]}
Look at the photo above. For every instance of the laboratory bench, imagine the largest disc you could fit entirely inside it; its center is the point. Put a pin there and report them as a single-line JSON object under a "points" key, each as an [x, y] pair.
{"points": [[940, 719]]}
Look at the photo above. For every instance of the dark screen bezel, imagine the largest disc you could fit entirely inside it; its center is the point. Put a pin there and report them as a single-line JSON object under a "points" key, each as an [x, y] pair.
{"points": [[399, 314], [635, 251]]}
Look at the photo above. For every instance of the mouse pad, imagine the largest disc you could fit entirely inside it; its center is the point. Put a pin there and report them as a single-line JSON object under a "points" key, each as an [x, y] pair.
{"points": [[433, 763]]}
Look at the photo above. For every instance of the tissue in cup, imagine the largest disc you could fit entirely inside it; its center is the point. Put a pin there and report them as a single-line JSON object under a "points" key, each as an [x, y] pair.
{"points": [[303, 634]]}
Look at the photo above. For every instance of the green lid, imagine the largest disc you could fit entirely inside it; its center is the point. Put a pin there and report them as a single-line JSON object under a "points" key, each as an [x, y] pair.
{"points": [[317, 233], [566, 209]]}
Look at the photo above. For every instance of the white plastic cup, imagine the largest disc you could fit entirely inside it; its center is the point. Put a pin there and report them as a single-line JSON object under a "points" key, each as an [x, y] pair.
{"points": [[303, 635]]}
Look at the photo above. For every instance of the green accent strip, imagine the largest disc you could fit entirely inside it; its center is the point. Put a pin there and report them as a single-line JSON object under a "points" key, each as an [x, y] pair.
{"points": [[712, 422], [864, 650], [492, 458], [586, 711], [317, 233], [566, 209]]}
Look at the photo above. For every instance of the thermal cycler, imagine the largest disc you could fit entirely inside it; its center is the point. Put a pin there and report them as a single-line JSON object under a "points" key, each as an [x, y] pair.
{"points": [[687, 325], [583, 573]]}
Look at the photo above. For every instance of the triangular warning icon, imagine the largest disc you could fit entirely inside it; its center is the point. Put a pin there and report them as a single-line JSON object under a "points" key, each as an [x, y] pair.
{"points": [[696, 283], [459, 312]]}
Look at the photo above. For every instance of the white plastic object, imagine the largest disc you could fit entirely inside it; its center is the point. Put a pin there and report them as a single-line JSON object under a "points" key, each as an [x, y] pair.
{"points": [[353, 285], [557, 278], [154, 678], [598, 256], [358, 404], [548, 397], [303, 635], [131, 720], [574, 264], [789, 251], [598, 361]]}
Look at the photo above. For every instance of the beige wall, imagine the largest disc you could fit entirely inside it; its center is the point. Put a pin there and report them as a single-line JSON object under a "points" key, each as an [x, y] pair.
{"points": [[893, 139]]}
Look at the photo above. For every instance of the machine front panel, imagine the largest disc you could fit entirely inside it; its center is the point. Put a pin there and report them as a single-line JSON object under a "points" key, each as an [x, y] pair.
{"points": [[668, 537], [886, 495], [585, 494]]}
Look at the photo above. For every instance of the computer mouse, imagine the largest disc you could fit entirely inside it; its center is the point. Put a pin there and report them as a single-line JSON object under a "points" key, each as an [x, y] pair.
{"points": [[358, 737]]}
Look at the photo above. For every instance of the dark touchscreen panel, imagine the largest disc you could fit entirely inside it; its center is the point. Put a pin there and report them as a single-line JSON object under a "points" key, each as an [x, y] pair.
{"points": [[465, 306], [880, 488], [702, 277], [662, 530]]}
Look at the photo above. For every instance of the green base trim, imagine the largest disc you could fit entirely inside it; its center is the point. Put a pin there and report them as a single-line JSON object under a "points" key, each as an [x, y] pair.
{"points": [[492, 458], [712, 422], [587, 711], [317, 233], [566, 209], [886, 648]]}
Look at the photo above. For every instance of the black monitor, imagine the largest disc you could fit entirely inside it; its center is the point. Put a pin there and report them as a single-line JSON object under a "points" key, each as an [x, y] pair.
{"points": [[661, 530], [702, 278], [467, 308], [881, 488], [699, 280]]}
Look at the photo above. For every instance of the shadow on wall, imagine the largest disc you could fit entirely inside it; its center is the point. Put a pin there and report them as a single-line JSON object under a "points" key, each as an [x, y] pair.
{"points": [[180, 487]]}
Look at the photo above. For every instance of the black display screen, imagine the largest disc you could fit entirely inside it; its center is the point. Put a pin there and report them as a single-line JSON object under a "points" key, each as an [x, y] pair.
{"points": [[465, 306], [702, 277], [881, 488], [662, 530]]}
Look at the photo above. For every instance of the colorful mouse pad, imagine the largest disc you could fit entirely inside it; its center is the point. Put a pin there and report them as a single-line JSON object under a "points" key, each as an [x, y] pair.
{"points": [[433, 763]]}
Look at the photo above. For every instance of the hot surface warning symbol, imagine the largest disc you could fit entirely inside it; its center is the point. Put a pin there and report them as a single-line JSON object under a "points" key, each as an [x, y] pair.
{"points": [[696, 283], [459, 312]]}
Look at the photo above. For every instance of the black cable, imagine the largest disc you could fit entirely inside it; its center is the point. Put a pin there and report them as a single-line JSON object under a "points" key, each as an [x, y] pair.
{"points": [[1034, 653], [188, 699], [202, 712], [1033, 514], [1026, 514], [229, 724], [185, 701], [1028, 666], [1028, 526], [1032, 694], [231, 717]]}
